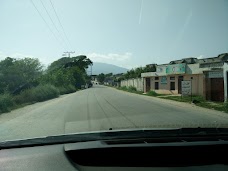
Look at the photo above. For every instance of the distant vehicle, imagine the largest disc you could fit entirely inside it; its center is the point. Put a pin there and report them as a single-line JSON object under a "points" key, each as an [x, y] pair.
{"points": [[90, 85]]}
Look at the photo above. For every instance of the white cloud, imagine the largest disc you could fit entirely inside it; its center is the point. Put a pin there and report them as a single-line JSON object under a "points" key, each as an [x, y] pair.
{"points": [[44, 60], [14, 55], [122, 60], [111, 57], [201, 57]]}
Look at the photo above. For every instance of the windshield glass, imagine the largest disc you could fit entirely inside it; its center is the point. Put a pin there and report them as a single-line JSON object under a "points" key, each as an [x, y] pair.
{"points": [[100, 65]]}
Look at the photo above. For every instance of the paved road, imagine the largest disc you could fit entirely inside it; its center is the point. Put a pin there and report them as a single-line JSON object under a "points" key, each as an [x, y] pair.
{"points": [[101, 108]]}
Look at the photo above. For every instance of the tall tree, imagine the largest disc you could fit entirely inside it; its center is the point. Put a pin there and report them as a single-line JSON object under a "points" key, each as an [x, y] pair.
{"points": [[68, 70], [17, 72]]}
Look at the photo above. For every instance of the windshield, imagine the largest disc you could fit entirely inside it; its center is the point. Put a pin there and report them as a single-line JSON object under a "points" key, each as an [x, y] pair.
{"points": [[99, 65]]}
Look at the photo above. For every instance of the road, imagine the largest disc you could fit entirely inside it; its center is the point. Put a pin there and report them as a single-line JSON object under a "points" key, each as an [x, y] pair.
{"points": [[102, 108]]}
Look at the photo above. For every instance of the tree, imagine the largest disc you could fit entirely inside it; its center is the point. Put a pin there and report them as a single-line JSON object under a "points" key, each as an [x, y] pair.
{"points": [[67, 71], [15, 73], [101, 77], [150, 68], [136, 73], [82, 62]]}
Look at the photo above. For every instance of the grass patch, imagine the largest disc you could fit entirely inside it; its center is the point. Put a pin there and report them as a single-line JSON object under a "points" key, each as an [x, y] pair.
{"points": [[200, 101], [67, 89], [220, 106], [196, 99], [30, 96], [154, 94], [124, 88], [37, 94], [130, 89], [6, 102]]}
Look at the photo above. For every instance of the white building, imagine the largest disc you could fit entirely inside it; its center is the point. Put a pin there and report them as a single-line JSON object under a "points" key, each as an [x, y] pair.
{"points": [[208, 77]]}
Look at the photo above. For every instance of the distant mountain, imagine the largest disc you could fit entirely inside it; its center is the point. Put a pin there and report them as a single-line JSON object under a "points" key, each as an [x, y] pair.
{"points": [[105, 68]]}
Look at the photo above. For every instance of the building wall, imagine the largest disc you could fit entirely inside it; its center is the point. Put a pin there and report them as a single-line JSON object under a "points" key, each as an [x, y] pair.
{"points": [[201, 85], [136, 82], [225, 72], [164, 88], [198, 73], [197, 84], [144, 85]]}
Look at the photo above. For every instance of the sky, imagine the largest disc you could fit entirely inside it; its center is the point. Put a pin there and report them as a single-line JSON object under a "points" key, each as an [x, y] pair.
{"points": [[127, 33]]}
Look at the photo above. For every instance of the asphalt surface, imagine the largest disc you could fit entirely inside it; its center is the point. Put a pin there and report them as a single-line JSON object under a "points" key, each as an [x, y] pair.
{"points": [[101, 108]]}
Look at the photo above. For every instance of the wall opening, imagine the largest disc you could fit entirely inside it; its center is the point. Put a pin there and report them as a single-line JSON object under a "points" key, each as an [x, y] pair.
{"points": [[147, 84], [172, 85]]}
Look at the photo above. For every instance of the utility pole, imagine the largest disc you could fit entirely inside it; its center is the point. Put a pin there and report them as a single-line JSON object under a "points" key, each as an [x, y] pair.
{"points": [[68, 53]]}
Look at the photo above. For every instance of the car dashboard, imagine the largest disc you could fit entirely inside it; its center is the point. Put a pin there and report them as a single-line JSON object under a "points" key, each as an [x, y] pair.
{"points": [[118, 155]]}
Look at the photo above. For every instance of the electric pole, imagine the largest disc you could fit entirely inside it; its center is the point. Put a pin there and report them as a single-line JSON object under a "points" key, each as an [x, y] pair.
{"points": [[65, 53]]}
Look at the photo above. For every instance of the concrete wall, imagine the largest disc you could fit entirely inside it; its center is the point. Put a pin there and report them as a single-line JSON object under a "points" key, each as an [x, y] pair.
{"points": [[225, 72], [136, 82], [197, 83]]}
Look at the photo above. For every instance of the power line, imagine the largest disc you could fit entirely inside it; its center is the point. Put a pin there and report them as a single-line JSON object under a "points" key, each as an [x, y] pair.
{"points": [[60, 23], [52, 21], [46, 23]]}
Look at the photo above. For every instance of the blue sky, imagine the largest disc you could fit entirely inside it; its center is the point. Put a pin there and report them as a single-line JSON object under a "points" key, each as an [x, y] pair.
{"points": [[127, 33]]}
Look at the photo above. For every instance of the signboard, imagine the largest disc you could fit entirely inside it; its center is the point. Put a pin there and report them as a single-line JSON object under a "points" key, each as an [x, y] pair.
{"points": [[215, 74], [176, 69], [186, 87], [163, 80]]}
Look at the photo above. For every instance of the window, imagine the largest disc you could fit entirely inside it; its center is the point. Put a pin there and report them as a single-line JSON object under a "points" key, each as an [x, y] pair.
{"points": [[172, 78], [172, 85], [156, 78], [156, 86]]}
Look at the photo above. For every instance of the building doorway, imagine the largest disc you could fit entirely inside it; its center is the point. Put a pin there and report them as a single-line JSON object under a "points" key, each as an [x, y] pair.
{"points": [[217, 89], [147, 84]]}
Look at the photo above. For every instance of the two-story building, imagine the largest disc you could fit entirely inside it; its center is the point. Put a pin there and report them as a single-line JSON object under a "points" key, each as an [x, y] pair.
{"points": [[208, 77]]}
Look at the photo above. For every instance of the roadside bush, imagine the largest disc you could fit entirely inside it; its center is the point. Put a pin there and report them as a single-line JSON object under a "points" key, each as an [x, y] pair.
{"points": [[37, 94], [6, 102], [131, 88], [62, 90], [67, 89], [226, 106], [152, 93], [123, 88], [45, 92]]}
